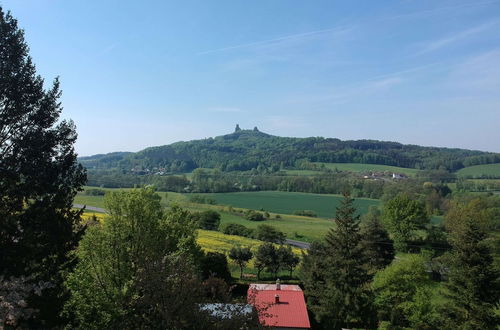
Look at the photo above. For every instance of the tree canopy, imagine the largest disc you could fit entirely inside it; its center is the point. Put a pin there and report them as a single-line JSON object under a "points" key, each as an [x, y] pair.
{"points": [[39, 174]]}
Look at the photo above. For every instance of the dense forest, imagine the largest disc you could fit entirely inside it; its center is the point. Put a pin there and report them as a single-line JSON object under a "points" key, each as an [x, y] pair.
{"points": [[245, 150]]}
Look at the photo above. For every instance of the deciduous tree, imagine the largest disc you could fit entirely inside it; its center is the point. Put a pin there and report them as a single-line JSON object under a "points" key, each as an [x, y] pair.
{"points": [[118, 259], [402, 217], [241, 257]]}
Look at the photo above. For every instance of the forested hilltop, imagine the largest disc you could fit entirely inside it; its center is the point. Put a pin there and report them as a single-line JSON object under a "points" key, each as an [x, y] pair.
{"points": [[244, 150]]}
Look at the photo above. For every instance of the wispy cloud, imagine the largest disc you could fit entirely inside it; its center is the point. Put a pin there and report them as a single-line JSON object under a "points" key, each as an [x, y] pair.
{"points": [[477, 76], [441, 10], [298, 36], [443, 42]]}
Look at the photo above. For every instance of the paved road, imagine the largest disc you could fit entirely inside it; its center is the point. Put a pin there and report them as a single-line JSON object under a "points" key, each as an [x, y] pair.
{"points": [[89, 208], [301, 245]]}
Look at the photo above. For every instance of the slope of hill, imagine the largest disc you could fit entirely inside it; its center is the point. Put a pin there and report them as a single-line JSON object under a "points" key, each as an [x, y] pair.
{"points": [[489, 171], [248, 149]]}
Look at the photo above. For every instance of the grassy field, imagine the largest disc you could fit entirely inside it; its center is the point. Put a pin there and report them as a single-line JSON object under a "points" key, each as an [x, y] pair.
{"points": [[478, 171], [288, 202], [98, 201], [300, 228], [301, 172], [356, 167]]}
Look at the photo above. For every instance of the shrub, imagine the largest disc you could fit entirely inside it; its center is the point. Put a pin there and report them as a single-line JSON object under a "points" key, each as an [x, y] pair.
{"points": [[95, 192], [306, 213], [237, 229], [214, 264], [269, 234], [208, 220], [202, 199], [254, 216]]}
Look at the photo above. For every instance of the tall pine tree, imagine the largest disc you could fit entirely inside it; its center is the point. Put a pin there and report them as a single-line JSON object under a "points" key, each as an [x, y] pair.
{"points": [[39, 175], [377, 245], [473, 286], [336, 277]]}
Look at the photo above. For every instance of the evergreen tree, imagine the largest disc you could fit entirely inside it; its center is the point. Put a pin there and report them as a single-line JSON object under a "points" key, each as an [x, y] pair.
{"points": [[376, 244], [39, 176], [339, 289], [473, 286]]}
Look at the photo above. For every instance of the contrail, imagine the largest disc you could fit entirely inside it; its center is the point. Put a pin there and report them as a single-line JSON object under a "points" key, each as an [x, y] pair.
{"points": [[263, 42]]}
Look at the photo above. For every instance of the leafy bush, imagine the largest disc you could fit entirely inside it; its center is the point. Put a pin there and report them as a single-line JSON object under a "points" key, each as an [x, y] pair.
{"points": [[269, 234], [208, 220], [306, 213], [95, 192], [201, 199], [214, 264], [254, 216], [239, 230]]}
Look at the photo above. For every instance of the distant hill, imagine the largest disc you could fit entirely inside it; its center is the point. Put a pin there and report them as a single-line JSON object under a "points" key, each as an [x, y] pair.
{"points": [[244, 150]]}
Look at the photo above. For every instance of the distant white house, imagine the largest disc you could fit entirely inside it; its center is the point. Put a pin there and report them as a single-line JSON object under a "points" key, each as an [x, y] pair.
{"points": [[398, 176]]}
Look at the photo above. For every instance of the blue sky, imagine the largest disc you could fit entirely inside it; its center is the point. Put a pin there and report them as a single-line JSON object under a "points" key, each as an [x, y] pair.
{"points": [[142, 73]]}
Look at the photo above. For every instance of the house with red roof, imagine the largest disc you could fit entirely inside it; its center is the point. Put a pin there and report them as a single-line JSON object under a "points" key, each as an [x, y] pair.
{"points": [[280, 306]]}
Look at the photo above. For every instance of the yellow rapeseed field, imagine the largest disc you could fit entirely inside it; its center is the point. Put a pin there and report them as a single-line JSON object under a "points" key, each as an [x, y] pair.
{"points": [[215, 241]]}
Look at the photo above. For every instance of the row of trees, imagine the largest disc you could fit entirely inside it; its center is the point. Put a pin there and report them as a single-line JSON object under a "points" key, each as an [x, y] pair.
{"points": [[351, 279], [267, 257]]}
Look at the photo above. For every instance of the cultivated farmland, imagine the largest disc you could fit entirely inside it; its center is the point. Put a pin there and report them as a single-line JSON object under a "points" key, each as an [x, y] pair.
{"points": [[288, 202], [491, 171], [356, 167]]}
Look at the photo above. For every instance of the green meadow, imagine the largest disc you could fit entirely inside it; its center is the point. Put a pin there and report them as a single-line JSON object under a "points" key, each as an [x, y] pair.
{"points": [[288, 202], [480, 171], [356, 167]]}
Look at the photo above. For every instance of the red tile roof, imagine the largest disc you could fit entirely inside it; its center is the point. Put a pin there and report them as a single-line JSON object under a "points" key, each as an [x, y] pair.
{"points": [[290, 312]]}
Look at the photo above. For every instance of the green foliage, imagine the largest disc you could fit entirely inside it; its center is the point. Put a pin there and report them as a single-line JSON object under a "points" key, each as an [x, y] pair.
{"points": [[489, 171], [335, 275], [237, 229], [201, 199], [94, 192], [117, 260], [306, 213], [395, 288], [208, 220], [241, 256], [245, 150], [474, 285], [378, 247], [269, 234], [288, 260], [254, 216], [267, 257], [214, 264], [402, 217], [39, 176]]}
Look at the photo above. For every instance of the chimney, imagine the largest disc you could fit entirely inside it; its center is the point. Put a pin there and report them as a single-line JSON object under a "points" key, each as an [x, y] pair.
{"points": [[278, 285], [277, 299]]}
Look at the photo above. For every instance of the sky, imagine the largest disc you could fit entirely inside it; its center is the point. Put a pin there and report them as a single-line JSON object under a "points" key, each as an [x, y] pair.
{"points": [[136, 74]]}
